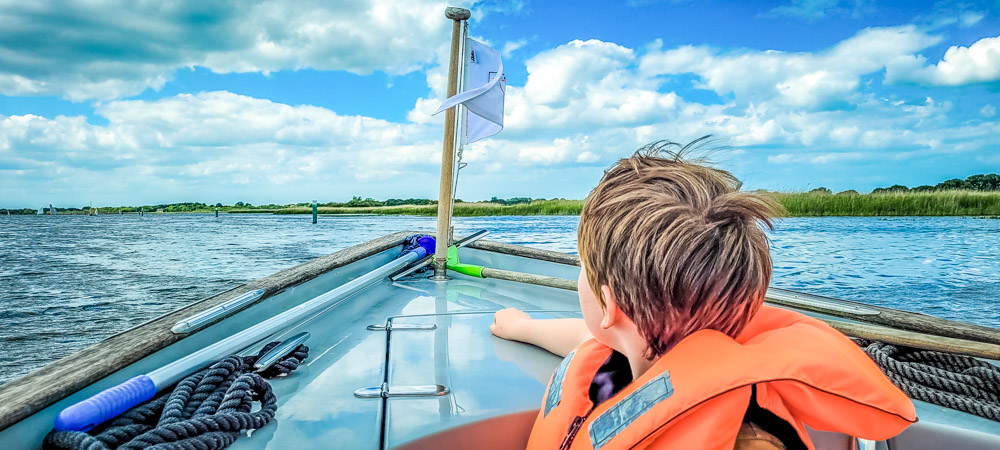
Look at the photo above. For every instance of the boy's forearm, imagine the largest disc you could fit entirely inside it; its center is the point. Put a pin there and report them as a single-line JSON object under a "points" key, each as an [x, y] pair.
{"points": [[559, 336]]}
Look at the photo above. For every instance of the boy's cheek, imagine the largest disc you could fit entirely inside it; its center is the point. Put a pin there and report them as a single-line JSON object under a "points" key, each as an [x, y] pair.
{"points": [[590, 307], [592, 312]]}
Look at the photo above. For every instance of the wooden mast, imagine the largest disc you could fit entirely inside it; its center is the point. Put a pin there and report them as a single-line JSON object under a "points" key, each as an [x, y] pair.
{"points": [[457, 15]]}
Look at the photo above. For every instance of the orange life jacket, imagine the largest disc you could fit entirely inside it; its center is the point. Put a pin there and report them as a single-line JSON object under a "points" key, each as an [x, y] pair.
{"points": [[696, 394]]}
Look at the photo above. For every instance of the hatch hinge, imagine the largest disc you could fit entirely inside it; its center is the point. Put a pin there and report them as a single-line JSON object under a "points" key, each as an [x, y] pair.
{"points": [[386, 391], [402, 326]]}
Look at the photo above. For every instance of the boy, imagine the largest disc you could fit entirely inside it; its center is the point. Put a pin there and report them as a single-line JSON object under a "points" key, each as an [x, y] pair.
{"points": [[675, 349]]}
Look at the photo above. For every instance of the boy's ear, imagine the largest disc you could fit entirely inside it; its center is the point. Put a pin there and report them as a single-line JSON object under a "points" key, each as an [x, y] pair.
{"points": [[612, 313]]}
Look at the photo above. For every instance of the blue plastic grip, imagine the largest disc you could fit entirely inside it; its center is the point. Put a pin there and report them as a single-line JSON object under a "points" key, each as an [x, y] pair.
{"points": [[420, 252], [427, 243], [106, 405]]}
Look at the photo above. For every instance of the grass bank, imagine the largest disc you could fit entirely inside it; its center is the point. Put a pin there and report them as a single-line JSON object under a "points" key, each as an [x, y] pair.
{"points": [[935, 203]]}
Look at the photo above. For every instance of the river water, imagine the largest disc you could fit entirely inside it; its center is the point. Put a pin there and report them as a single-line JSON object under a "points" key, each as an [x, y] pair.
{"points": [[67, 282]]}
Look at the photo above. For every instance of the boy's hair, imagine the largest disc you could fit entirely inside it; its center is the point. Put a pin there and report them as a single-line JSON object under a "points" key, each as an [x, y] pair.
{"points": [[678, 245]]}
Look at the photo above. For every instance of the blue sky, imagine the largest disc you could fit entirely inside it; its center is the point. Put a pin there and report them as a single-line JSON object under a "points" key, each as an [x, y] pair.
{"points": [[123, 102]]}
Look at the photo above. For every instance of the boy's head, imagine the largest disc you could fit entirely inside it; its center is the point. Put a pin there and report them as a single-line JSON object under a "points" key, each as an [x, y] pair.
{"points": [[679, 246]]}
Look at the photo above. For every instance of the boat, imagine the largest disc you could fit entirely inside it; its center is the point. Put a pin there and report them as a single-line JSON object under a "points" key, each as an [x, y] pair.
{"points": [[440, 379], [402, 357]]}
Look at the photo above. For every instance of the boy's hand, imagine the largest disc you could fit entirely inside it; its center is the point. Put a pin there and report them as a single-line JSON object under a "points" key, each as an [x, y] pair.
{"points": [[507, 323]]}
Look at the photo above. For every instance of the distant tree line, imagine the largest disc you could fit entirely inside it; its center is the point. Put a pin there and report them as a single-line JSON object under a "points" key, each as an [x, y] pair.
{"points": [[510, 201], [982, 182], [358, 202]]}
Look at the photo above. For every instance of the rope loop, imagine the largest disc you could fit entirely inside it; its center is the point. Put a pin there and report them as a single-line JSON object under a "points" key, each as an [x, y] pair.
{"points": [[206, 410], [954, 381]]}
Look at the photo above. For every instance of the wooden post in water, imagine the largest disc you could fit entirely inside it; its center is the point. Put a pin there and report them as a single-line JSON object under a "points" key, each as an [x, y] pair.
{"points": [[315, 211], [457, 15]]}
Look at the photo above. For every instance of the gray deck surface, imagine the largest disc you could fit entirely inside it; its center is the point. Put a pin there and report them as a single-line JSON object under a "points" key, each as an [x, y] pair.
{"points": [[487, 376]]}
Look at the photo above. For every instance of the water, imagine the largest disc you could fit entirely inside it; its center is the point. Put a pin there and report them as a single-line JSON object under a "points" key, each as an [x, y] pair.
{"points": [[67, 282]]}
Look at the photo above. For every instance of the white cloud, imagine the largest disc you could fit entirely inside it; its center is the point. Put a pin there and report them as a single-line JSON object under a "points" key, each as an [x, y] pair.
{"points": [[582, 102], [816, 89], [109, 50], [818, 9], [819, 158], [813, 104], [977, 63], [549, 153], [214, 119], [970, 18], [811, 81], [948, 13], [584, 84], [988, 111], [571, 88], [587, 157], [558, 75], [216, 139], [510, 47]]}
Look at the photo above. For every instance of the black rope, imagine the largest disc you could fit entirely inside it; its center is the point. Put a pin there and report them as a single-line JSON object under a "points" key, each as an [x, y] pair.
{"points": [[207, 410], [953, 381]]}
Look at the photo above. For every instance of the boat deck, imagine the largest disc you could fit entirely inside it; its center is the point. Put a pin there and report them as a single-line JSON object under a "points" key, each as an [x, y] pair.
{"points": [[486, 376]]}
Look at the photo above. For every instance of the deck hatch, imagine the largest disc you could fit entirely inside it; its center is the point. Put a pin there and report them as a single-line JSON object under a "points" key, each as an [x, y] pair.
{"points": [[487, 376]]}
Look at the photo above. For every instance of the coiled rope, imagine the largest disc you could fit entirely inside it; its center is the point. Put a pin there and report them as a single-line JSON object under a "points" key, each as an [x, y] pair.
{"points": [[953, 381], [206, 410]]}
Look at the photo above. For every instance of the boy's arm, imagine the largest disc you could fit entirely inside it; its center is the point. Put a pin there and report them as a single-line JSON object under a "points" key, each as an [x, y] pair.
{"points": [[559, 336]]}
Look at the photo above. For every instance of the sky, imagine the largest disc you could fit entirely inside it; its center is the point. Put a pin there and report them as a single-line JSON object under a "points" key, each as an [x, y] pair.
{"points": [[146, 102]]}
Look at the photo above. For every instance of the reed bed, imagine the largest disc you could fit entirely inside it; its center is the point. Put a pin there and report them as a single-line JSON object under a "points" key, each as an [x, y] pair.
{"points": [[932, 203]]}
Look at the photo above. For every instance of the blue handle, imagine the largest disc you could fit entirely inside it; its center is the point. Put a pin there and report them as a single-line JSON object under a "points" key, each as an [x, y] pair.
{"points": [[106, 405], [427, 243]]}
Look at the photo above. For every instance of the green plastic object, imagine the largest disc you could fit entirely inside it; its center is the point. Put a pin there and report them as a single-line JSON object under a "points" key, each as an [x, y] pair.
{"points": [[466, 269]]}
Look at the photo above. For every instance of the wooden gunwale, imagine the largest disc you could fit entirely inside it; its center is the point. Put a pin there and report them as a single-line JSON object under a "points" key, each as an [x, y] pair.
{"points": [[896, 318], [903, 320], [37, 390], [526, 252]]}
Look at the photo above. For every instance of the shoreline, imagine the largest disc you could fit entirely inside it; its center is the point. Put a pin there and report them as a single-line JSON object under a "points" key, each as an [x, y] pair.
{"points": [[323, 213], [810, 204]]}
